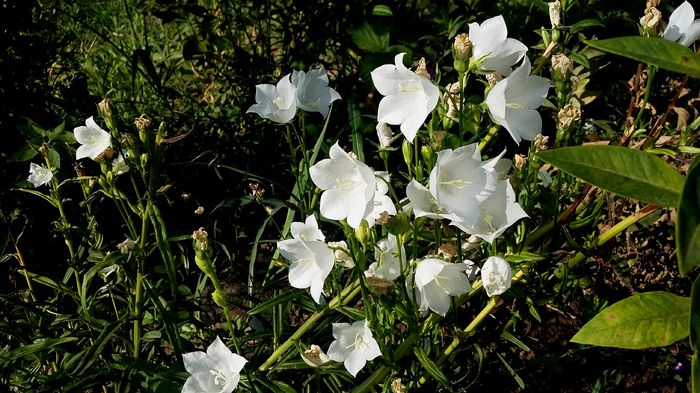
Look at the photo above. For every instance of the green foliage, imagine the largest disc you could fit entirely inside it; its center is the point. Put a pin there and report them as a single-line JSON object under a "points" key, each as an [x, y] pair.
{"points": [[627, 172], [657, 51], [688, 226], [645, 320]]}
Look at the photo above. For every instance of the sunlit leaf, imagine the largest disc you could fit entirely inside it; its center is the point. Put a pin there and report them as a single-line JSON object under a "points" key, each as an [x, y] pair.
{"points": [[662, 53], [644, 320], [630, 173]]}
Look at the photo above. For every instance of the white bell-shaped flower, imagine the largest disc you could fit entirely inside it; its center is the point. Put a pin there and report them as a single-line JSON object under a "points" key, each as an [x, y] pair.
{"points": [[496, 214], [39, 175], [513, 102], [424, 203], [408, 97], [348, 187], [312, 91], [354, 345], [496, 276], [275, 102], [217, 370], [460, 181], [312, 262], [437, 281], [492, 50], [93, 140], [682, 27]]}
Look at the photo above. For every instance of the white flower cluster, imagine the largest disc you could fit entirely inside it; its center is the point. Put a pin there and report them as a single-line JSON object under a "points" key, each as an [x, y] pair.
{"points": [[308, 91]]}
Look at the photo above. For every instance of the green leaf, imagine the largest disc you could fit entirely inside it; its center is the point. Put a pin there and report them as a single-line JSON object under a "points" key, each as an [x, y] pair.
{"points": [[367, 38], [40, 345], [645, 320], [431, 367], [631, 173], [695, 316], [382, 10], [584, 24], [695, 373], [662, 53], [268, 304], [688, 221]]}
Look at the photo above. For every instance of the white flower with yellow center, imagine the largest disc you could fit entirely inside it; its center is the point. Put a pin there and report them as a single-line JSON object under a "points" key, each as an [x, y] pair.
{"points": [[353, 345], [217, 370], [408, 97], [348, 187]]}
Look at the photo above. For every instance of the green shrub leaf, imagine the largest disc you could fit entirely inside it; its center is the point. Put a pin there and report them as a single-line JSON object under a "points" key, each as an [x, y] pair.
{"points": [[688, 222], [662, 53], [645, 320], [630, 173]]}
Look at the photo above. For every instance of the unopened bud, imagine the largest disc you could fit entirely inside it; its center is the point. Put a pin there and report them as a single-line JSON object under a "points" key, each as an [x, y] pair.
{"points": [[384, 135], [107, 111], [555, 13], [144, 160], [428, 156], [362, 233], [407, 151]]}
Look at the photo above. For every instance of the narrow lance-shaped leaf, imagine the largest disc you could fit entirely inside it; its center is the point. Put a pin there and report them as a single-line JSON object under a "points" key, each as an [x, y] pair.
{"points": [[645, 320], [688, 222], [662, 53], [630, 173]]}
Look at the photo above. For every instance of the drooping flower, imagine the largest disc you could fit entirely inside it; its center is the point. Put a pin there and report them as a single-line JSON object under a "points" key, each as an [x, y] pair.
{"points": [[354, 345], [39, 175], [312, 262], [217, 370], [93, 140], [513, 102], [119, 165], [276, 103], [492, 50], [681, 26], [314, 356], [408, 97], [495, 214], [312, 91], [496, 276], [437, 280], [348, 187], [342, 254], [460, 181], [388, 258]]}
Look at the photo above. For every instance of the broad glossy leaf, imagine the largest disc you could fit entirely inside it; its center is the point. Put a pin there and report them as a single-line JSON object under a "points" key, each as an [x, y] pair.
{"points": [[688, 222], [367, 38], [645, 320], [662, 53], [631, 173], [695, 316]]}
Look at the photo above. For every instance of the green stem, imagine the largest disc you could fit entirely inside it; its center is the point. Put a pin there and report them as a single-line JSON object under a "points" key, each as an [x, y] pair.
{"points": [[343, 298], [493, 130], [138, 292]]}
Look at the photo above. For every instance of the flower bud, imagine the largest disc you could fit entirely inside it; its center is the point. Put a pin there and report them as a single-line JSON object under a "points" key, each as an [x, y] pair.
{"points": [[407, 151], [220, 298], [562, 66], [428, 156], [496, 276], [384, 135], [546, 36], [144, 160], [107, 111], [555, 13], [461, 51], [143, 125], [362, 233]]}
